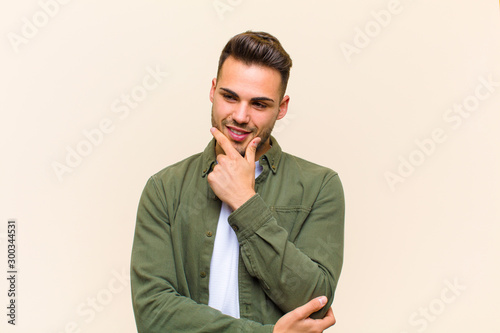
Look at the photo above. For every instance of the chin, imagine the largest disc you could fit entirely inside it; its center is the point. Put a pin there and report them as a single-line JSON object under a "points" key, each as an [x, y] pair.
{"points": [[241, 148]]}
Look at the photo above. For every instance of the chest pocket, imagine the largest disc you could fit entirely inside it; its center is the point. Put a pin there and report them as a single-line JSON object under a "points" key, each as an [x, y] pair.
{"points": [[291, 218]]}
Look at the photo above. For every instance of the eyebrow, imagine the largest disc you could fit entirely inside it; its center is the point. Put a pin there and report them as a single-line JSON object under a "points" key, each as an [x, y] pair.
{"points": [[263, 98]]}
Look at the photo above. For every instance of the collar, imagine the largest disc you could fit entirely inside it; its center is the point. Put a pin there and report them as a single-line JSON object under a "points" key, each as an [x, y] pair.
{"points": [[270, 160]]}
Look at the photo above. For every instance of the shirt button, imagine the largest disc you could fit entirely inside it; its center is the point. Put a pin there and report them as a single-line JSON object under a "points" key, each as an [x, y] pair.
{"points": [[203, 274], [209, 234], [235, 227]]}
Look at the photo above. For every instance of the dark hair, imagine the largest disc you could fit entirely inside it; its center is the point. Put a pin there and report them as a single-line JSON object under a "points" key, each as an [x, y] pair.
{"points": [[261, 48]]}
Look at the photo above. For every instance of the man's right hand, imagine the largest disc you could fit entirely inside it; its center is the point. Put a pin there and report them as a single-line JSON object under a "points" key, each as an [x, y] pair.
{"points": [[298, 320]]}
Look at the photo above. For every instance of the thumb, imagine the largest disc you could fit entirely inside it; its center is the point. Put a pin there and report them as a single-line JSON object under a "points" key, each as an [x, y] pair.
{"points": [[251, 149], [312, 306]]}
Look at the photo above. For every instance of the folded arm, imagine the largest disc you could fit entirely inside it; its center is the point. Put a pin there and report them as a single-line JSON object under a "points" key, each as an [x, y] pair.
{"points": [[158, 307], [292, 273]]}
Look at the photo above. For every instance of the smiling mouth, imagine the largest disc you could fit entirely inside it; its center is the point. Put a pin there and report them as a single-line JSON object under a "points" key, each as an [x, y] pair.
{"points": [[237, 134]]}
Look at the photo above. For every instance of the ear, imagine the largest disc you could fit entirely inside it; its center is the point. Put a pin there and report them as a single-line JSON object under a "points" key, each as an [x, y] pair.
{"points": [[283, 107], [212, 90]]}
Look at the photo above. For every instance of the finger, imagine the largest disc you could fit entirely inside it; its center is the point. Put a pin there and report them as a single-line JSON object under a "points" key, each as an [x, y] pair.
{"points": [[224, 142], [251, 149], [310, 307], [329, 318]]}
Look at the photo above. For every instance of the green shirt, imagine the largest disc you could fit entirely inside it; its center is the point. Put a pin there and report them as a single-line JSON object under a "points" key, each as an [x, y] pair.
{"points": [[290, 233]]}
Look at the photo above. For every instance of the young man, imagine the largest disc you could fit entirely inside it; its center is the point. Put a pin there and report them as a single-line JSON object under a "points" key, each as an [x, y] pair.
{"points": [[241, 237]]}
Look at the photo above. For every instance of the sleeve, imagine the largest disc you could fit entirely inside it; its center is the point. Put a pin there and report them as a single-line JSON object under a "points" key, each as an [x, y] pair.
{"points": [[291, 274], [158, 307]]}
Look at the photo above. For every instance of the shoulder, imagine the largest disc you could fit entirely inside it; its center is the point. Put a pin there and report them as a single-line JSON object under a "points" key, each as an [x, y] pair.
{"points": [[300, 166], [194, 165], [167, 184], [179, 169], [306, 183], [174, 177]]}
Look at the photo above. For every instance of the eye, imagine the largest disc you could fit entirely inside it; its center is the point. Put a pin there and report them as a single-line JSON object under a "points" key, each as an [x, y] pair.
{"points": [[260, 105], [229, 97]]}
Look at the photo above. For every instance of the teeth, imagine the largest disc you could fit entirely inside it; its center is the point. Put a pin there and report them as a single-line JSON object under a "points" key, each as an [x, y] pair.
{"points": [[236, 132]]}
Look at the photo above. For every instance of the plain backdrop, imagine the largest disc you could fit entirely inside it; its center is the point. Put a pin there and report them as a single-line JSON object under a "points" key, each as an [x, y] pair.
{"points": [[401, 98]]}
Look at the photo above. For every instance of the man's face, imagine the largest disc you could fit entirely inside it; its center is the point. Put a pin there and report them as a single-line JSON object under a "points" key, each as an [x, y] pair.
{"points": [[246, 104]]}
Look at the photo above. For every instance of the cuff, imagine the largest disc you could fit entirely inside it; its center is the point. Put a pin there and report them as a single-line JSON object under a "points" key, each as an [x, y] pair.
{"points": [[249, 217]]}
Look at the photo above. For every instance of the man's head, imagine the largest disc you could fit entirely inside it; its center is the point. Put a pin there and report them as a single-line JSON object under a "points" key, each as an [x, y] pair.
{"points": [[248, 94], [258, 48]]}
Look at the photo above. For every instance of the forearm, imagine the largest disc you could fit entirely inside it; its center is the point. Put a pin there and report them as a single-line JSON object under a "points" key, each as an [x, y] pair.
{"points": [[156, 280], [287, 275], [293, 272], [167, 311]]}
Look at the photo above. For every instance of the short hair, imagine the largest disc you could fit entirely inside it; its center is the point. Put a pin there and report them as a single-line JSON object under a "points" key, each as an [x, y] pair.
{"points": [[261, 48]]}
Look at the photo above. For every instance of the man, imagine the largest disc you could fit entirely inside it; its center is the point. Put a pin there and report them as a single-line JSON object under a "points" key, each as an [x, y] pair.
{"points": [[241, 237]]}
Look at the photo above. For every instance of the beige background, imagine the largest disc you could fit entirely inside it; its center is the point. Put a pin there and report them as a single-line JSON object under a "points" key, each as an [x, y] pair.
{"points": [[359, 114]]}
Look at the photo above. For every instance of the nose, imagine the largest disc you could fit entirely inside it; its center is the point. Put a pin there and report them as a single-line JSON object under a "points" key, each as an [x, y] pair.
{"points": [[241, 114]]}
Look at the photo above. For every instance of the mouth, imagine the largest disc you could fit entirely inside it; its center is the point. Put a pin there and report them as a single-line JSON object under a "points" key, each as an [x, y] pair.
{"points": [[237, 134]]}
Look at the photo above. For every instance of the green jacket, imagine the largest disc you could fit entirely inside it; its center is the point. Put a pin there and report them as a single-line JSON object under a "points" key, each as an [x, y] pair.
{"points": [[291, 236]]}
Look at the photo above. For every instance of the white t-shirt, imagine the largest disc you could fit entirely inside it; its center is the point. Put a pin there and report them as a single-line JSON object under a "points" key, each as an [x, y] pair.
{"points": [[223, 284]]}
